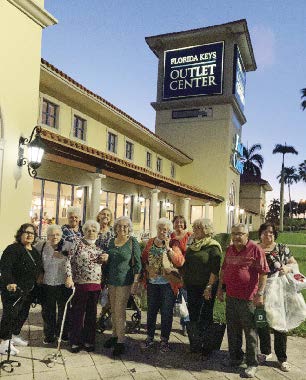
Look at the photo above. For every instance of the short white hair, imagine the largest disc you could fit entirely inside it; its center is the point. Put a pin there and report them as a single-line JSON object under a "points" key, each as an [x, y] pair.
{"points": [[241, 225], [125, 219], [166, 222], [91, 223], [205, 223], [54, 227], [73, 210]]}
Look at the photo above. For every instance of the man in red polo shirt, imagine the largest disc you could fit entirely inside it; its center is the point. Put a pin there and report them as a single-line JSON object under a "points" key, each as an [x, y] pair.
{"points": [[244, 274]]}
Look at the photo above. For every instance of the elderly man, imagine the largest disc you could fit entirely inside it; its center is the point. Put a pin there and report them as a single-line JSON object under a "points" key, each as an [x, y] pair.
{"points": [[244, 273], [72, 230]]}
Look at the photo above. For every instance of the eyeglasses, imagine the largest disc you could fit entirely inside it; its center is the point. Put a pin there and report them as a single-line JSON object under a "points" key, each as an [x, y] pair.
{"points": [[197, 227], [29, 233], [238, 233], [123, 226]]}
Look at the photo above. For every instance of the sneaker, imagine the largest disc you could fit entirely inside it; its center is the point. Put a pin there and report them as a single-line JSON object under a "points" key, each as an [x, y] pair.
{"points": [[250, 372], [75, 349], [4, 348], [49, 340], [110, 342], [148, 343], [284, 366], [262, 358], [89, 347], [18, 341], [119, 349], [164, 347]]}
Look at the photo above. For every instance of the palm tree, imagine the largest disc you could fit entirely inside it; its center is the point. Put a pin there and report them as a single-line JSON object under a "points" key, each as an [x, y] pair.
{"points": [[290, 177], [303, 104], [302, 170], [252, 161], [283, 149]]}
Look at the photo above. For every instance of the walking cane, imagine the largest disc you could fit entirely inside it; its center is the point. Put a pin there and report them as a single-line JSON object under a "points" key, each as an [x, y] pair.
{"points": [[8, 365], [51, 359]]}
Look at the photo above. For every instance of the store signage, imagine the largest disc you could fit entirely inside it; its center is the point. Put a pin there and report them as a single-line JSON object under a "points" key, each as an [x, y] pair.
{"points": [[237, 159], [193, 71], [239, 80]]}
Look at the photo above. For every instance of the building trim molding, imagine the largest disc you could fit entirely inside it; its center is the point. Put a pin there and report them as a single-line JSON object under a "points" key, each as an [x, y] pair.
{"points": [[39, 15]]}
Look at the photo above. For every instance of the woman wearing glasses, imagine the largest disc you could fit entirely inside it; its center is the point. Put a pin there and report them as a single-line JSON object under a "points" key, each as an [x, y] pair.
{"points": [[21, 267], [200, 273], [122, 275], [72, 230]]}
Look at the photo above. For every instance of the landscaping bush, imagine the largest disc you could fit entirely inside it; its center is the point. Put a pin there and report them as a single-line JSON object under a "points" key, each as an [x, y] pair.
{"points": [[224, 240]]}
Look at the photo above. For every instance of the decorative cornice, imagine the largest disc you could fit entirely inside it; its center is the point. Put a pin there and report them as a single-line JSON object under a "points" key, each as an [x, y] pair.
{"points": [[35, 12], [109, 158]]}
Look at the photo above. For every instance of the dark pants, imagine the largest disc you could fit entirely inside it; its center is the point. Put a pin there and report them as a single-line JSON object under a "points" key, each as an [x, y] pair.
{"points": [[160, 297], [280, 343], [240, 318], [83, 317], [55, 298], [200, 310], [13, 318]]}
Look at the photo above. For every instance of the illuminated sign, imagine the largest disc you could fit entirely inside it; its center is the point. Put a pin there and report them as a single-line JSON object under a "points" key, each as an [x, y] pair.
{"points": [[237, 159], [193, 71], [239, 79]]}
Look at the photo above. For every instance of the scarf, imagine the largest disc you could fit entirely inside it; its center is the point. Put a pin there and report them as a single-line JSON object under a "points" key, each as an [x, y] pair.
{"points": [[196, 245]]}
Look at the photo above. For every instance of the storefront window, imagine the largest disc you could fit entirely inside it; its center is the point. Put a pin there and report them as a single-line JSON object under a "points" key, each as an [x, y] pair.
{"points": [[103, 199], [147, 215], [120, 205], [197, 212], [111, 203], [49, 206]]}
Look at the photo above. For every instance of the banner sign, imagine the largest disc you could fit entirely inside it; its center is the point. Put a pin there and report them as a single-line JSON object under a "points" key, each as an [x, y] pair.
{"points": [[193, 71], [239, 80], [237, 159]]}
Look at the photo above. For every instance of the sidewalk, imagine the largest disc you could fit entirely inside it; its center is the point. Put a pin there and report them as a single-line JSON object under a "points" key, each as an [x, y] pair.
{"points": [[135, 364]]}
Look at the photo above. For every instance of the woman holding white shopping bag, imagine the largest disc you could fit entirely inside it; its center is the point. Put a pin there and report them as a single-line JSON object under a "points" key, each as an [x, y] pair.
{"points": [[278, 293]]}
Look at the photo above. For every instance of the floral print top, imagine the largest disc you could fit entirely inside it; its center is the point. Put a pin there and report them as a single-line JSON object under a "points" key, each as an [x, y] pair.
{"points": [[279, 255], [82, 263]]}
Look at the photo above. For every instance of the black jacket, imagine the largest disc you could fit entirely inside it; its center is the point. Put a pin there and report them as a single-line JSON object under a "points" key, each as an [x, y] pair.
{"points": [[17, 267]]}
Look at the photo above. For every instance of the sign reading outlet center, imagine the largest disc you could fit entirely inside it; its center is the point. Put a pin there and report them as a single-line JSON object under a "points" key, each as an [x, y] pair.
{"points": [[193, 71]]}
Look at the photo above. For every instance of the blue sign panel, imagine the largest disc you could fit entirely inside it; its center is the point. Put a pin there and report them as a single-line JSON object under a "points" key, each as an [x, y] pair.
{"points": [[193, 71], [237, 158], [239, 79]]}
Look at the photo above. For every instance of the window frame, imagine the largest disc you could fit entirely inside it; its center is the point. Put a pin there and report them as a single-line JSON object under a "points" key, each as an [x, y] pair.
{"points": [[109, 134], [172, 170], [132, 145], [75, 129], [56, 117], [151, 157], [159, 164]]}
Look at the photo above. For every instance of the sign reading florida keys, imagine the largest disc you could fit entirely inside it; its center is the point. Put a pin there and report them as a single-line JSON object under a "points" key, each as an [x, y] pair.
{"points": [[193, 71]]}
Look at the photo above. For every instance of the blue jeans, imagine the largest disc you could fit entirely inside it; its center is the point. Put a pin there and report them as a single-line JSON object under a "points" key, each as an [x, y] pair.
{"points": [[160, 297]]}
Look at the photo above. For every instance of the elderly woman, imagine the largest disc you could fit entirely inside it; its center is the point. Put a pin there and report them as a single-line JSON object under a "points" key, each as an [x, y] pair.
{"points": [[122, 271], [200, 273], [105, 219], [161, 289], [54, 255], [84, 271], [20, 268], [72, 230], [180, 237], [278, 258]]}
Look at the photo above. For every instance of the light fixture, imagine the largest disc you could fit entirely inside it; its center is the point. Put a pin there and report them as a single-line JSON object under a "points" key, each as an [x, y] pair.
{"points": [[231, 208], [167, 203], [36, 151], [79, 192], [127, 199], [141, 198], [241, 211]]}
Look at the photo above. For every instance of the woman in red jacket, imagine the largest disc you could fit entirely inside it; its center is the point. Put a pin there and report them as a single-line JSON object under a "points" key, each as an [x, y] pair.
{"points": [[161, 287]]}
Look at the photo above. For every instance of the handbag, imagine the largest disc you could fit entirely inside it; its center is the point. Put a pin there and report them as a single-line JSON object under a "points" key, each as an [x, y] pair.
{"points": [[170, 273]]}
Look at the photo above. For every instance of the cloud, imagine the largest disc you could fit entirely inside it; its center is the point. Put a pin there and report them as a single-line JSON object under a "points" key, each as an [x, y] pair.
{"points": [[263, 40]]}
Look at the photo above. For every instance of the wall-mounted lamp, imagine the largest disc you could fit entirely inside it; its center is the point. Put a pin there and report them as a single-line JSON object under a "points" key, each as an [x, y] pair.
{"points": [[127, 199], [241, 211], [231, 208], [141, 198], [167, 203], [79, 192], [36, 151]]}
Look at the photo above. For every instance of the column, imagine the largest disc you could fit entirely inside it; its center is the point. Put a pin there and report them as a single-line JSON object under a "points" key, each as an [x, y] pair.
{"points": [[185, 209], [95, 194], [206, 211], [153, 211]]}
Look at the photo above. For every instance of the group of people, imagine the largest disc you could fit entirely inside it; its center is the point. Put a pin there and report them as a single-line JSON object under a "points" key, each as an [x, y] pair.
{"points": [[173, 262]]}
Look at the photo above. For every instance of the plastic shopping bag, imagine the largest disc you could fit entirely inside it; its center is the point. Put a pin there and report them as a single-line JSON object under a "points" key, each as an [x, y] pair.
{"points": [[285, 308], [296, 278], [104, 297]]}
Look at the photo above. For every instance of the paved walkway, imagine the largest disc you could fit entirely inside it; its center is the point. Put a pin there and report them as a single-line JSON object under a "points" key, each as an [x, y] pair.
{"points": [[138, 365]]}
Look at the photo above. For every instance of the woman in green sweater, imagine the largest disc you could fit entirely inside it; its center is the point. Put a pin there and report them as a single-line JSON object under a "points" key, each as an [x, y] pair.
{"points": [[200, 273], [122, 273]]}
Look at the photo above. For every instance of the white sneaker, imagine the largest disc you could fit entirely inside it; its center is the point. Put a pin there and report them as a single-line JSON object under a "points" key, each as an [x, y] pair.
{"points": [[250, 372], [284, 366], [4, 348], [18, 341]]}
